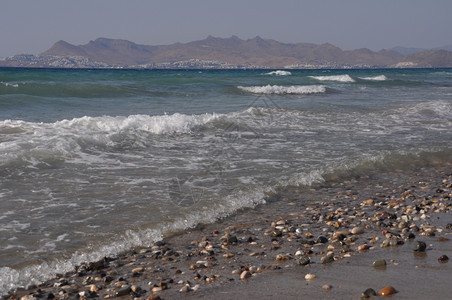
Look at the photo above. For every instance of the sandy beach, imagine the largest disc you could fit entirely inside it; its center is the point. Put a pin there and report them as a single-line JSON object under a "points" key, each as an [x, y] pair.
{"points": [[331, 241]]}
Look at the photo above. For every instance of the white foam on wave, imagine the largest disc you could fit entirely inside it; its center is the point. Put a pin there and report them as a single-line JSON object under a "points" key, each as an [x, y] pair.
{"points": [[282, 90], [279, 73], [339, 78], [431, 111], [32, 144], [15, 85], [162, 124], [375, 78]]}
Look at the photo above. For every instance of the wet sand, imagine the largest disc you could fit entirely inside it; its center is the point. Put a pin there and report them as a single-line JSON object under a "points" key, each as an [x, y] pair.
{"points": [[334, 231]]}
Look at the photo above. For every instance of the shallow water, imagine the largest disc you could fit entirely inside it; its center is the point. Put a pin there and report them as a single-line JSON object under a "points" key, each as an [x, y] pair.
{"points": [[94, 162]]}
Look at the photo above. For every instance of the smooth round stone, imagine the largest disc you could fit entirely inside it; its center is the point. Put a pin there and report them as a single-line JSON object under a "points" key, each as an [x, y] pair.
{"points": [[124, 290], [326, 287], [184, 289], [387, 291], [357, 230], [245, 275], [363, 247], [321, 240], [310, 276], [276, 233], [420, 246], [368, 293], [303, 260], [379, 263], [327, 259], [138, 270], [443, 259]]}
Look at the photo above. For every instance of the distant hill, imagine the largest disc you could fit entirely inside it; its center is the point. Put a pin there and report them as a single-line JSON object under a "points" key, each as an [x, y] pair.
{"points": [[407, 50], [256, 52], [230, 52], [447, 48]]}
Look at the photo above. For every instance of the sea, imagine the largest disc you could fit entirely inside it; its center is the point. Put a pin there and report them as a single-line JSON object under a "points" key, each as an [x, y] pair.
{"points": [[94, 163]]}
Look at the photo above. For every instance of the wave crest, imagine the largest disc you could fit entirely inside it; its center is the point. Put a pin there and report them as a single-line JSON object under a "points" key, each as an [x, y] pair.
{"points": [[282, 90], [339, 78], [7, 84], [279, 73], [375, 78], [162, 124]]}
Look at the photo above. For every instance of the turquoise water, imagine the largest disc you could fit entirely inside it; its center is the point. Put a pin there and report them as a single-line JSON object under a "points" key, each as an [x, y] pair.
{"points": [[94, 162]]}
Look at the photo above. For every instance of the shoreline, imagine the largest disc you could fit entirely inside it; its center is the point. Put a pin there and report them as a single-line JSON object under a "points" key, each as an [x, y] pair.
{"points": [[333, 231]]}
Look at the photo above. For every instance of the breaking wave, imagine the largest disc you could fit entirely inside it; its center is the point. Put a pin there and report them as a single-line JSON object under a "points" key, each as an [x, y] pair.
{"points": [[162, 124], [7, 84], [283, 90], [375, 78], [339, 78], [279, 73]]}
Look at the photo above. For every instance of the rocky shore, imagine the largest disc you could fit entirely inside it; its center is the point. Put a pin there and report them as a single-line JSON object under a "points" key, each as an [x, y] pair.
{"points": [[375, 235]]}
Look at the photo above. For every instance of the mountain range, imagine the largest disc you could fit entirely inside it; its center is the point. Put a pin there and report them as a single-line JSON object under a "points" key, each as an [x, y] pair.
{"points": [[230, 52]]}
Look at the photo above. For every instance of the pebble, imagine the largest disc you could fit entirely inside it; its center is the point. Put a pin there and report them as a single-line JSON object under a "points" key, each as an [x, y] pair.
{"points": [[282, 257], [379, 263], [276, 233], [387, 291], [185, 289], [195, 288], [357, 230], [420, 246], [303, 260], [245, 275], [93, 288], [443, 259], [138, 270], [124, 290], [368, 293], [326, 287], [327, 259], [310, 276], [363, 247], [321, 240]]}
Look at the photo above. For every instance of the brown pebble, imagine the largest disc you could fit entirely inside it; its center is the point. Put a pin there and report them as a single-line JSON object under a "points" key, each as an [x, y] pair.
{"points": [[387, 291], [153, 297], [282, 257], [93, 288], [326, 287], [443, 259], [363, 247]]}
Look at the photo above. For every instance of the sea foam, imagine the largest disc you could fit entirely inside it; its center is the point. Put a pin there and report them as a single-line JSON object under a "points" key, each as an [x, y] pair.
{"points": [[282, 90], [339, 78], [279, 73], [375, 78], [162, 124], [16, 85]]}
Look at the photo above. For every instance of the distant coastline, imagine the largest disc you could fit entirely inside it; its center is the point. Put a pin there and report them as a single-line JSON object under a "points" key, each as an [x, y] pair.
{"points": [[223, 53]]}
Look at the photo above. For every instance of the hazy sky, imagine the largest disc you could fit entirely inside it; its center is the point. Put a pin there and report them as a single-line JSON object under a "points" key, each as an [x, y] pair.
{"points": [[32, 26]]}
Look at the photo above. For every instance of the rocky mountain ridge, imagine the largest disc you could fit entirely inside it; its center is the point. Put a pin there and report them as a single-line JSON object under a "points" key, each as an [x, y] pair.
{"points": [[214, 52]]}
